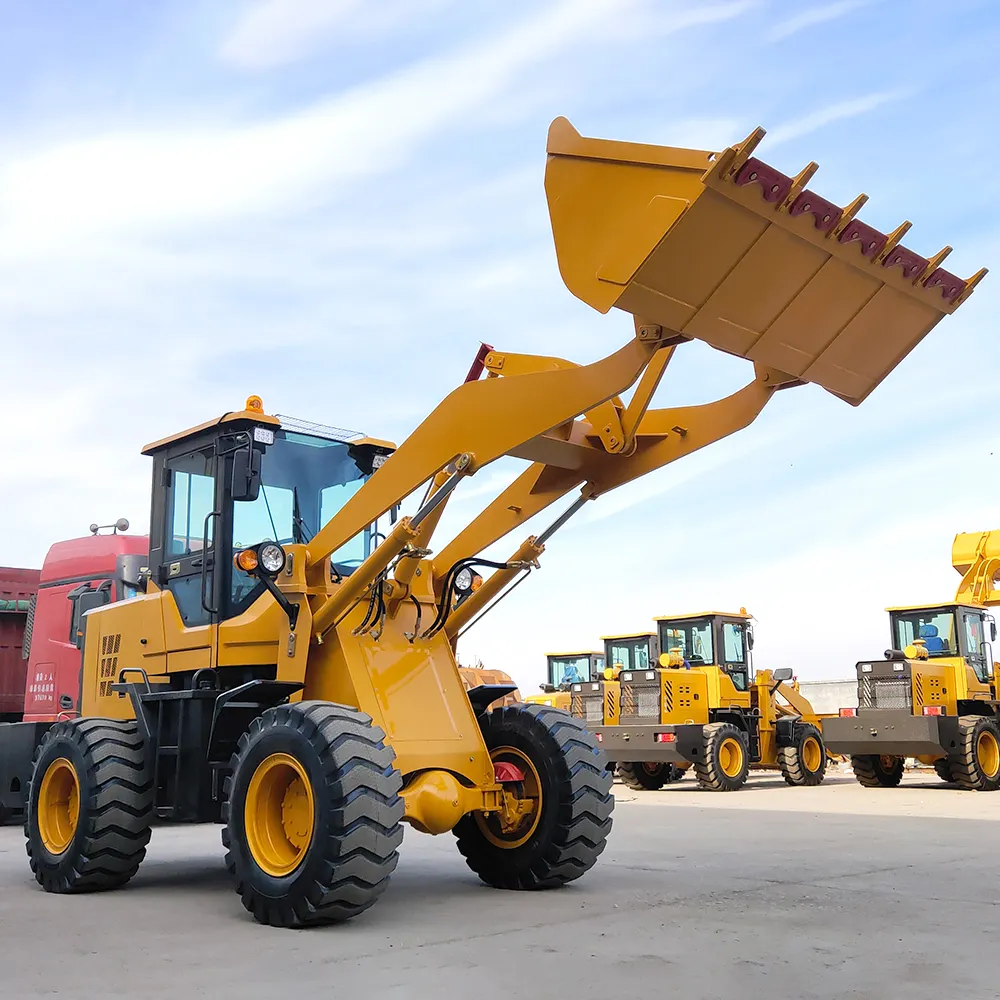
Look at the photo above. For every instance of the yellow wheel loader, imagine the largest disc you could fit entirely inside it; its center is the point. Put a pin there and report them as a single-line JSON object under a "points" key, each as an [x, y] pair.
{"points": [[934, 695], [629, 653], [289, 671], [701, 705], [562, 671]]}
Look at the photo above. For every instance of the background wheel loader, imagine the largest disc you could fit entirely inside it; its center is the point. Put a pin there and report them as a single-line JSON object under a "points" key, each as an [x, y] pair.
{"points": [[934, 695], [289, 672], [562, 671], [700, 704]]}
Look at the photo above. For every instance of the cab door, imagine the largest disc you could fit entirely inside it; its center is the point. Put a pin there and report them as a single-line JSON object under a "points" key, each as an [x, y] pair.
{"points": [[188, 566]]}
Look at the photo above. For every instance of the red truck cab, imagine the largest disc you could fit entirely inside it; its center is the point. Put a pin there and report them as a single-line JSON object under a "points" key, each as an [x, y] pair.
{"points": [[17, 591], [76, 576]]}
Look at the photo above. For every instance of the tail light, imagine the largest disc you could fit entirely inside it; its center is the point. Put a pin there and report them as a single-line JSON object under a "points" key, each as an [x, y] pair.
{"points": [[664, 737], [933, 710], [848, 713], [600, 737]]}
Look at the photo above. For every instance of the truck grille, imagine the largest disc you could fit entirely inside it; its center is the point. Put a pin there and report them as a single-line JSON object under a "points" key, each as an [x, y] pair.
{"points": [[640, 700], [588, 703], [885, 692]]}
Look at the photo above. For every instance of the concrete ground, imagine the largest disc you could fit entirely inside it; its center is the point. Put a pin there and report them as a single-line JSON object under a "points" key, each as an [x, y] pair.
{"points": [[772, 892]]}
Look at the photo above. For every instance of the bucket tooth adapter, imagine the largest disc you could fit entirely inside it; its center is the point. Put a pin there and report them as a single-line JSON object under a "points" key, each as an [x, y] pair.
{"points": [[289, 667], [724, 248]]}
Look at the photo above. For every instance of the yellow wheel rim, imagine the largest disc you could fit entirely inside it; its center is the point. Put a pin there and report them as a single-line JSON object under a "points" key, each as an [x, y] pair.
{"points": [[812, 754], [731, 757], [522, 804], [988, 753], [58, 806], [279, 814]]}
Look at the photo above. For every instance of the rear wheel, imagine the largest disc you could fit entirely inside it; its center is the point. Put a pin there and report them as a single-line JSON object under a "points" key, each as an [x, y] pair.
{"points": [[90, 806], [648, 776], [877, 770], [556, 821], [943, 769], [975, 765], [726, 763], [804, 762], [313, 814]]}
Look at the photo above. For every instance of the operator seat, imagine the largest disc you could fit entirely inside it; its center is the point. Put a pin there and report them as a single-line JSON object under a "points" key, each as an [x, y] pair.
{"points": [[932, 641]]}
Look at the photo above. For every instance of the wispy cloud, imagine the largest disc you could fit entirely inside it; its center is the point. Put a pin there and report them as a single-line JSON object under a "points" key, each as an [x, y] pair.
{"points": [[840, 111], [812, 16], [276, 32]]}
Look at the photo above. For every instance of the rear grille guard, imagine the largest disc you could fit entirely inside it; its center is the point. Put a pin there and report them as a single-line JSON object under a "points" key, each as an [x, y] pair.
{"points": [[885, 693]]}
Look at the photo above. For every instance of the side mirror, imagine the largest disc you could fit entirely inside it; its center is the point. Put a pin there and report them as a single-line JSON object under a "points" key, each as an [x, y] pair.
{"points": [[993, 631], [246, 474], [394, 513], [749, 638], [783, 674]]}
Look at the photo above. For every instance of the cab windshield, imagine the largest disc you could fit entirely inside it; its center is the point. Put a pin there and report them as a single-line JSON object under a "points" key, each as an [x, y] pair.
{"points": [[568, 670], [629, 654], [935, 626], [691, 636], [305, 480]]}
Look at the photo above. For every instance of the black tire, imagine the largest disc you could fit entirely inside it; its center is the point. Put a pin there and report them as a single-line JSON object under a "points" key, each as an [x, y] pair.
{"points": [[875, 771], [942, 767], [975, 764], [804, 762], [648, 776], [719, 771], [575, 815], [114, 804], [355, 823]]}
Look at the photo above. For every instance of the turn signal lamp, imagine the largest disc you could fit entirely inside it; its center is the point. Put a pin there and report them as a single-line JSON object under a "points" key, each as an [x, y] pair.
{"points": [[246, 560], [665, 738], [848, 713]]}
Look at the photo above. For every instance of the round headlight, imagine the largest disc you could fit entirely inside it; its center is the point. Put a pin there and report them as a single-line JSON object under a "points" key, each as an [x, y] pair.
{"points": [[463, 580], [272, 557]]}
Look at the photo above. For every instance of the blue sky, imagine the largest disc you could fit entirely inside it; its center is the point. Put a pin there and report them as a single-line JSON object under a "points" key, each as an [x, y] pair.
{"points": [[331, 202]]}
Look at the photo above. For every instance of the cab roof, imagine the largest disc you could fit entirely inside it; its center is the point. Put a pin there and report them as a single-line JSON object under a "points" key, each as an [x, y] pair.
{"points": [[238, 416], [254, 416], [628, 635], [579, 652], [742, 613], [945, 605]]}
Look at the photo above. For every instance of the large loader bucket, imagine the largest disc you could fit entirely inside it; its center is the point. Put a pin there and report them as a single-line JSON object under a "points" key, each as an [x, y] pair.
{"points": [[724, 248]]}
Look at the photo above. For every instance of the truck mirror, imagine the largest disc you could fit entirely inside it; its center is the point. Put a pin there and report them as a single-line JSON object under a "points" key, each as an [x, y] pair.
{"points": [[749, 638], [782, 674], [246, 474], [993, 631]]}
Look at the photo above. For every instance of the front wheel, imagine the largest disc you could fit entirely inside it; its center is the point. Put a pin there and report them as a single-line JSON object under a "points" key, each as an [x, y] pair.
{"points": [[804, 762], [555, 822], [313, 814], [90, 806], [877, 770]]}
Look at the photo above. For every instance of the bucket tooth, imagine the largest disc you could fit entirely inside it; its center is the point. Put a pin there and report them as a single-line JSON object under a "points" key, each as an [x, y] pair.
{"points": [[725, 248]]}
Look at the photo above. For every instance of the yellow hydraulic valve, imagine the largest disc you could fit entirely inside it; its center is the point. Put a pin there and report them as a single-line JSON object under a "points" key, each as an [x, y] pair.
{"points": [[724, 248]]}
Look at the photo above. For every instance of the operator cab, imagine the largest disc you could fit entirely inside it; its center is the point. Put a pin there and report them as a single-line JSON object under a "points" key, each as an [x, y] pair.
{"points": [[244, 479], [946, 631], [631, 652], [565, 669], [710, 638]]}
